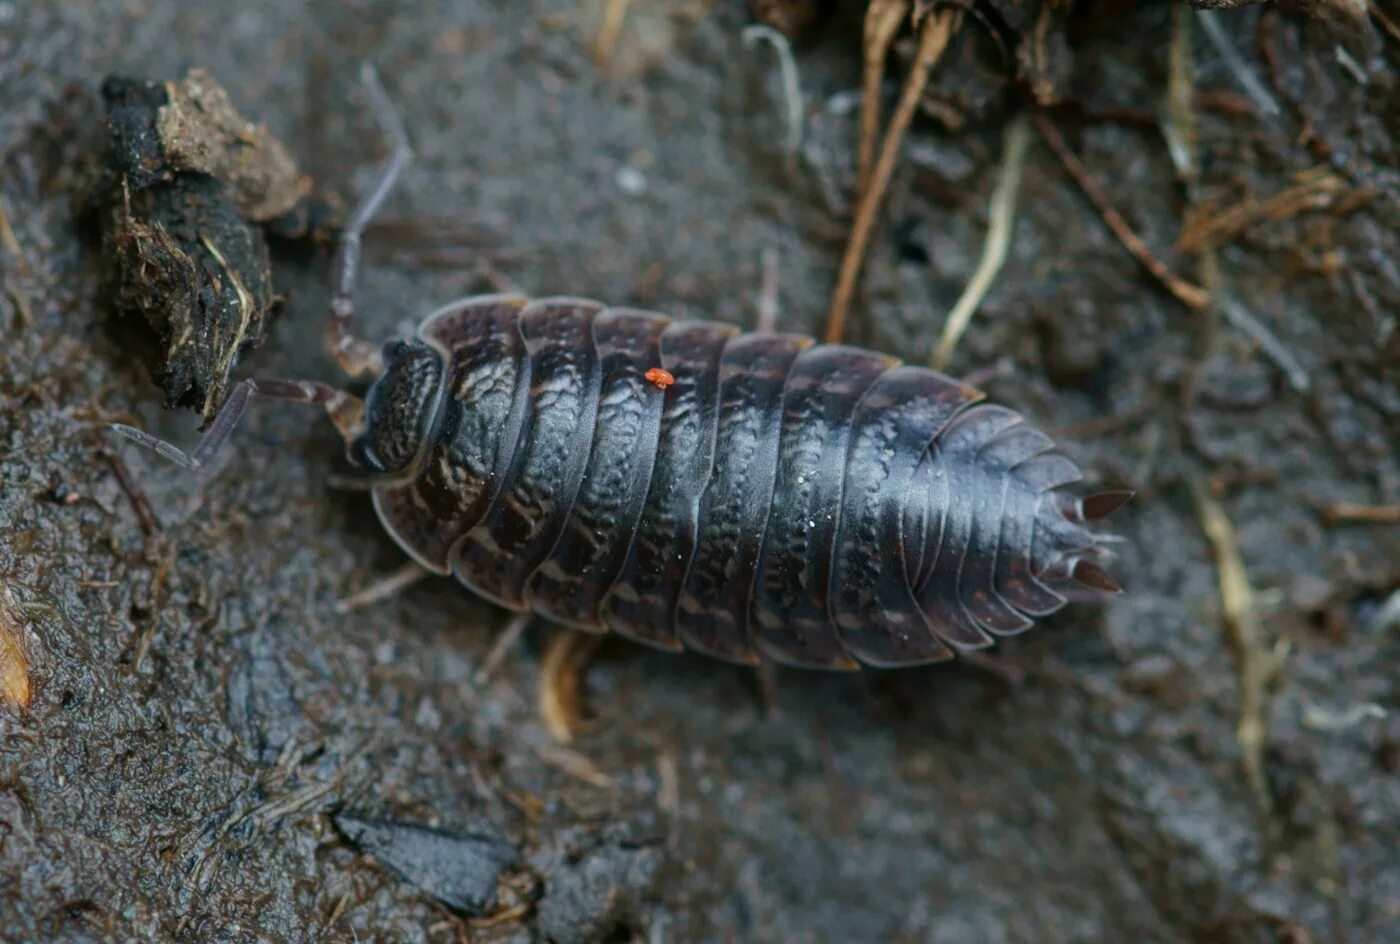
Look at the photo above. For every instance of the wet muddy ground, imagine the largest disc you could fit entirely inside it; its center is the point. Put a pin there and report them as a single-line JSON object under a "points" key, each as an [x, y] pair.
{"points": [[212, 752]]}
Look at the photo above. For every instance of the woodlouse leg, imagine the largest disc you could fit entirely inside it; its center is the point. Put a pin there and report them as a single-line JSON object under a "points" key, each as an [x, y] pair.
{"points": [[344, 409], [357, 357]]}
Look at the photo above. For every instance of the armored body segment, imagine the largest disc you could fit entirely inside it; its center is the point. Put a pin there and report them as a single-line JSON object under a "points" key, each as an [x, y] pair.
{"points": [[569, 585], [1016, 580], [892, 428], [681, 483], [497, 556], [971, 489], [712, 613], [641, 603], [487, 394], [995, 459], [791, 610]]}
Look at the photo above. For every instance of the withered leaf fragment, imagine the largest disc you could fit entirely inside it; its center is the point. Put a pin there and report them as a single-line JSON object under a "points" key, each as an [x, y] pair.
{"points": [[15, 689]]}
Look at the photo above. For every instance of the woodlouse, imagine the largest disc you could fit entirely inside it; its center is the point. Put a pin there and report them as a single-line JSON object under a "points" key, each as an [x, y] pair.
{"points": [[822, 505]]}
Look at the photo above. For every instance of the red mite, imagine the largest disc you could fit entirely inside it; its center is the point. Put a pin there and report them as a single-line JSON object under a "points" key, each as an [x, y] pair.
{"points": [[660, 376]]}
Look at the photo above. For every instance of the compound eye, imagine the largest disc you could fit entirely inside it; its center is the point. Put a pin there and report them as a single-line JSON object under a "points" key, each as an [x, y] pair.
{"points": [[394, 351]]}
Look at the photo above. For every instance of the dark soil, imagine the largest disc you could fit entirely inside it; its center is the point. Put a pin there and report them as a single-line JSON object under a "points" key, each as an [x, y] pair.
{"points": [[200, 712]]}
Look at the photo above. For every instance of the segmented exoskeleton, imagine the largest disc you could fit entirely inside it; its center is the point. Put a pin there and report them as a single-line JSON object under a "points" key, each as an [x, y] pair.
{"points": [[821, 505]]}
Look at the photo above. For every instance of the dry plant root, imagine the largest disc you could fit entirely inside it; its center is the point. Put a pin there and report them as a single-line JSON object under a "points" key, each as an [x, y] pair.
{"points": [[1190, 295], [934, 33], [1256, 660]]}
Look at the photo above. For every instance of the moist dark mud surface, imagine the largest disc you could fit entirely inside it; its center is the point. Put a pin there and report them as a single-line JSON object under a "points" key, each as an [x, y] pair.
{"points": [[202, 716]]}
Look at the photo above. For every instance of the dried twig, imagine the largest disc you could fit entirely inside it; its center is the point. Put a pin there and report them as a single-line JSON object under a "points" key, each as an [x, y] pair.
{"points": [[1317, 189], [1256, 661], [10, 241], [882, 21], [1001, 222], [1386, 22], [937, 28], [574, 764], [15, 689], [613, 15], [1193, 296], [145, 516], [26, 314], [1376, 514]]}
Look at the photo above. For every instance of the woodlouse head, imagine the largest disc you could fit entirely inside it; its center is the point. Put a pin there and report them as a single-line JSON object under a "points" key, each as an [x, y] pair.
{"points": [[401, 410]]}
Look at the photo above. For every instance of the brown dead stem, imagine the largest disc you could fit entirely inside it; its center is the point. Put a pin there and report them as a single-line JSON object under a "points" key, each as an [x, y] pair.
{"points": [[11, 242], [1193, 296], [1374, 514], [613, 15], [882, 21], [561, 698], [937, 28], [1316, 189], [15, 689], [574, 764], [1386, 22], [1257, 661]]}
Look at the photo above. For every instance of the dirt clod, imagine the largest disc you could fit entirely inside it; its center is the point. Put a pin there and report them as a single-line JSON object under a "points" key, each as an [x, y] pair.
{"points": [[190, 191], [458, 869]]}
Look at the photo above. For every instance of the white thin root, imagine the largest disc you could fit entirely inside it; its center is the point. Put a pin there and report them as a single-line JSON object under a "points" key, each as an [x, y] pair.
{"points": [[1331, 721], [1001, 222], [787, 70], [1240, 317]]}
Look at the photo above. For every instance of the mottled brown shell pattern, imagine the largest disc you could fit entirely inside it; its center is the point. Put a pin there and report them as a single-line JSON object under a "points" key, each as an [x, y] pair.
{"points": [[819, 505]]}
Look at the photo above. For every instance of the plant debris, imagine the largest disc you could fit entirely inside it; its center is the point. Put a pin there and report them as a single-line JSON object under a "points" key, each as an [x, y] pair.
{"points": [[1257, 661], [1001, 220], [15, 689], [1192, 296], [935, 29], [190, 192], [461, 870]]}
